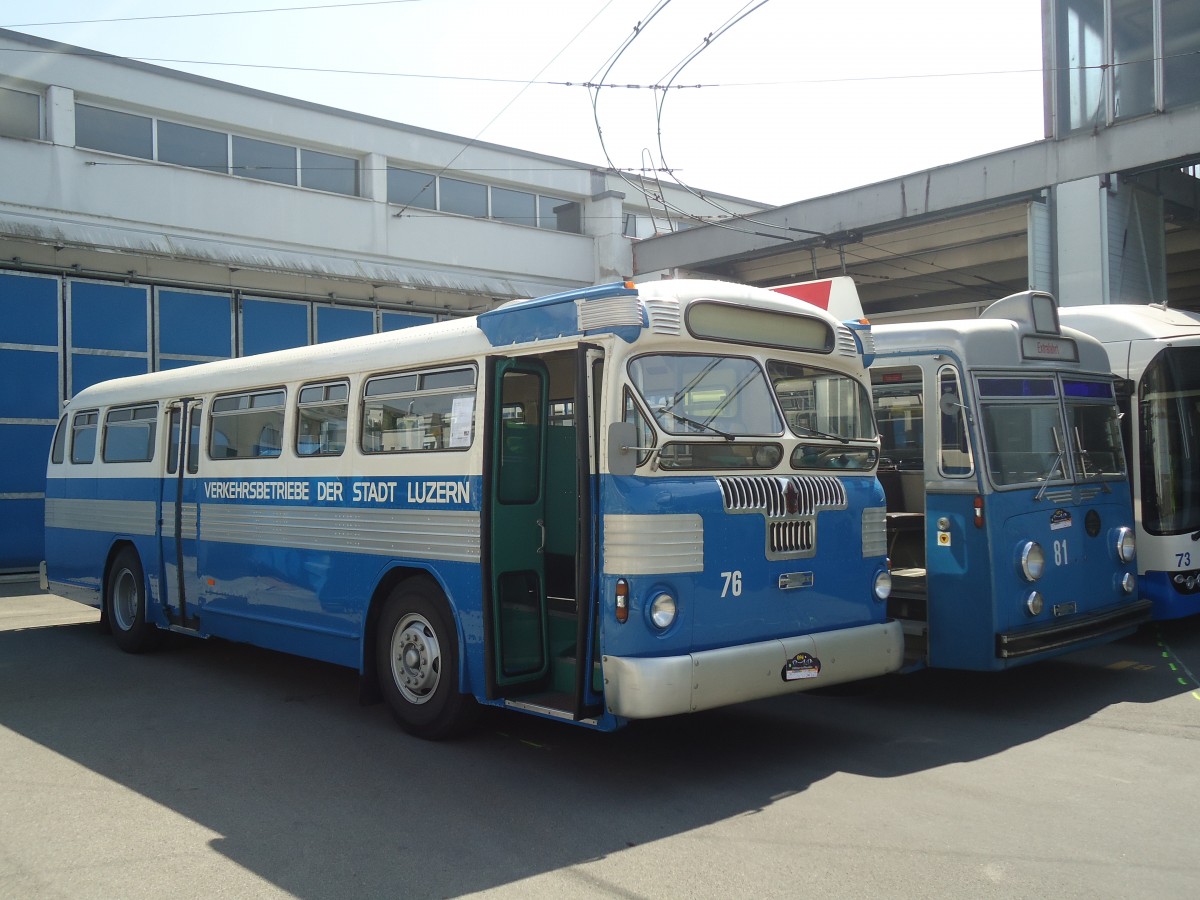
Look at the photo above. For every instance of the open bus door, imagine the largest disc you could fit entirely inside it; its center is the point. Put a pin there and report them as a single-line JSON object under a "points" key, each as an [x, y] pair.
{"points": [[178, 532], [517, 513], [542, 493]]}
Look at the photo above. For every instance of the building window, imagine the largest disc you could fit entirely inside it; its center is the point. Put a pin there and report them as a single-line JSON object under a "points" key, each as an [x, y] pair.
{"points": [[326, 172], [114, 132], [20, 114], [1133, 58], [264, 160], [559, 215], [463, 197], [408, 188], [1181, 53], [198, 148], [518, 207]]}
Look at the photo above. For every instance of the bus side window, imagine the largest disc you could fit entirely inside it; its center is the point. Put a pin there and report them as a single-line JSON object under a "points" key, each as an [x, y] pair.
{"points": [[247, 425], [193, 458], [419, 411], [129, 434], [84, 428], [58, 449], [954, 449], [321, 419], [645, 433]]}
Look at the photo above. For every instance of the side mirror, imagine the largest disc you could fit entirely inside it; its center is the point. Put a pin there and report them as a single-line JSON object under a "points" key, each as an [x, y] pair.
{"points": [[622, 452], [948, 405]]}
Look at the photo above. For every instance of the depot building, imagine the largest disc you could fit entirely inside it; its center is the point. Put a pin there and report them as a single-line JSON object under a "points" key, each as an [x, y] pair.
{"points": [[152, 219]]}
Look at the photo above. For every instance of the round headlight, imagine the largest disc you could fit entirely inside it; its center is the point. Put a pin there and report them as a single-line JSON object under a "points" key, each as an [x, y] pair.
{"points": [[1033, 561], [883, 585], [1128, 583], [1034, 604], [1126, 545], [662, 610]]}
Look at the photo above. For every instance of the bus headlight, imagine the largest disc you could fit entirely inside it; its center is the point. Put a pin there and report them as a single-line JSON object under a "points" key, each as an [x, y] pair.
{"points": [[1126, 545], [1034, 604], [883, 585], [1033, 561], [1128, 583], [662, 610]]}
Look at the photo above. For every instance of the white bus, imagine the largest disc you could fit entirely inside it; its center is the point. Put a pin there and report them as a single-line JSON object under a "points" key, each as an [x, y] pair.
{"points": [[1156, 350], [609, 504]]}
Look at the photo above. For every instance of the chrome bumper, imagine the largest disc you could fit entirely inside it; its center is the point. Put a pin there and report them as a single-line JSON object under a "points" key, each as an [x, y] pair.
{"points": [[644, 688]]}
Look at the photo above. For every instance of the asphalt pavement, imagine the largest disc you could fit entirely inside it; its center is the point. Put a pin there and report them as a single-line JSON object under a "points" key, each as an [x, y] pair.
{"points": [[209, 769]]}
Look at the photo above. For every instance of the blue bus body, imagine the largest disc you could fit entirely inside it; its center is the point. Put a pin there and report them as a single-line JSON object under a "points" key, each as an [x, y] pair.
{"points": [[571, 506], [1156, 351], [1010, 528]]}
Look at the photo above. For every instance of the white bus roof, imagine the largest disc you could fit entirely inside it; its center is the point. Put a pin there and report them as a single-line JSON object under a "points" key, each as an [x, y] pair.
{"points": [[622, 309], [1131, 322]]}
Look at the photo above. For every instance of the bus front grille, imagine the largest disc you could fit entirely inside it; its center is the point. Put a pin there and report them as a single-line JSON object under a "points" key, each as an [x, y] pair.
{"points": [[797, 536], [789, 505]]}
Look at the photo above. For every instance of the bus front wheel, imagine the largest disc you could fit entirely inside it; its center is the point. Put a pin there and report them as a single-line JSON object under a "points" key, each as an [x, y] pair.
{"points": [[418, 662], [126, 598]]}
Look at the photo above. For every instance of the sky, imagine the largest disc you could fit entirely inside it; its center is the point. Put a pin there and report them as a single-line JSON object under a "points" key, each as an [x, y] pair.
{"points": [[770, 100]]}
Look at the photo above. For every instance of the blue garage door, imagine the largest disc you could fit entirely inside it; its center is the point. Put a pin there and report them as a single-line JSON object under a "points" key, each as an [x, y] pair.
{"points": [[30, 402], [108, 332], [273, 325], [337, 322], [395, 321], [192, 327]]}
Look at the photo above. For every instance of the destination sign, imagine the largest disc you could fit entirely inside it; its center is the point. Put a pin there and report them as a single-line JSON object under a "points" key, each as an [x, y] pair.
{"points": [[1034, 346]]}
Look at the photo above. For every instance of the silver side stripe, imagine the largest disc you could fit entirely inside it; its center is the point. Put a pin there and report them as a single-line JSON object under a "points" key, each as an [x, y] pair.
{"points": [[444, 534], [189, 526], [421, 534], [653, 544], [118, 516]]}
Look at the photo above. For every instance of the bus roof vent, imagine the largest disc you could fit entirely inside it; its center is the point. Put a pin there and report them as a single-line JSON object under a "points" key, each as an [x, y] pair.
{"points": [[608, 312], [664, 314], [845, 342]]}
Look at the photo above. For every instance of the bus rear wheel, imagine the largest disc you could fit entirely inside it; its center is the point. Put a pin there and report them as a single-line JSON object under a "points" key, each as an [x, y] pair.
{"points": [[125, 595], [417, 654]]}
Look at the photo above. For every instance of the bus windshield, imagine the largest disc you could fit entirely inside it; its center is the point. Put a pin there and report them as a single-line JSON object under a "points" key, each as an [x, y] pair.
{"points": [[1023, 430], [1027, 440], [1094, 429], [719, 396], [1169, 400], [822, 404]]}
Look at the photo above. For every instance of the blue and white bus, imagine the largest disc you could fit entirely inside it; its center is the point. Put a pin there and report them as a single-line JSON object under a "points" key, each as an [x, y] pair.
{"points": [[610, 504], [1156, 351], [1010, 529]]}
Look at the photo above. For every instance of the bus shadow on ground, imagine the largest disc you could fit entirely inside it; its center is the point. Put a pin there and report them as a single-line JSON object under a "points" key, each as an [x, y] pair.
{"points": [[326, 798]]}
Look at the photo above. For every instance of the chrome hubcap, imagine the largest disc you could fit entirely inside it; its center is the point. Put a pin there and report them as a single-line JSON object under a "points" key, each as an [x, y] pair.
{"points": [[416, 658]]}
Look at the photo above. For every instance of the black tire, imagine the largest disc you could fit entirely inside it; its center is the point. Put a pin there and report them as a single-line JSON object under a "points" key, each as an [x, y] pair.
{"points": [[125, 605], [417, 659]]}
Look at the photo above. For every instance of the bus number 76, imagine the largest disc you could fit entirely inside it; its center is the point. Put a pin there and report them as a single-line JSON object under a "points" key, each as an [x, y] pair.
{"points": [[732, 585]]}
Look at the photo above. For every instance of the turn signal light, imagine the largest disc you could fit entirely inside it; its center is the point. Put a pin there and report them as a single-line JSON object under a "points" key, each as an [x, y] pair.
{"points": [[622, 600], [978, 511]]}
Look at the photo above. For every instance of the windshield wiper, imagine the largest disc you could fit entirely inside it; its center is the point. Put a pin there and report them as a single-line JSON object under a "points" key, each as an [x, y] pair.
{"points": [[694, 423], [822, 434], [1053, 466], [1085, 460]]}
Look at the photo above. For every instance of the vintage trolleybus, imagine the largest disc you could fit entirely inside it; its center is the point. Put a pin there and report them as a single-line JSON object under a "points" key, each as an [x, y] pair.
{"points": [[1010, 529], [615, 503], [1156, 352]]}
